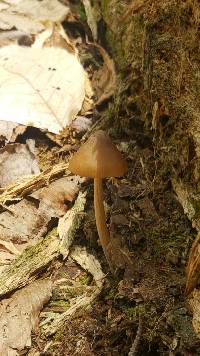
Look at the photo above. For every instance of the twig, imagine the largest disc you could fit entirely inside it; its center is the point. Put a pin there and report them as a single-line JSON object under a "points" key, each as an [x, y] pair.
{"points": [[134, 348], [27, 185]]}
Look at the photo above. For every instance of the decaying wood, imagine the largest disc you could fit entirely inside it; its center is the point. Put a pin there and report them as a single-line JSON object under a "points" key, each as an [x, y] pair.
{"points": [[30, 184], [33, 260], [82, 302], [69, 223], [25, 268]]}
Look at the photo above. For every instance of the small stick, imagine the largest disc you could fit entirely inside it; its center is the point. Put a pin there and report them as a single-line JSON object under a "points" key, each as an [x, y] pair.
{"points": [[134, 348]]}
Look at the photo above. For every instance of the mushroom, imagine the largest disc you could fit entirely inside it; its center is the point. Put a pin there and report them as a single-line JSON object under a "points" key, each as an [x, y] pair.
{"points": [[99, 158]]}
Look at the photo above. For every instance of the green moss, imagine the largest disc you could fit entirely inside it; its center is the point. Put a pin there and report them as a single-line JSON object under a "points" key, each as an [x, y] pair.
{"points": [[196, 205], [110, 290], [110, 294], [53, 232], [85, 279], [80, 10], [105, 6], [62, 303], [133, 312], [89, 57], [58, 337]]}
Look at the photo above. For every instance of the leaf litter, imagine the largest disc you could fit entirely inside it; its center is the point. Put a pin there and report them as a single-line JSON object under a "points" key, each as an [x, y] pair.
{"points": [[17, 161], [49, 206], [31, 199], [29, 15], [20, 316]]}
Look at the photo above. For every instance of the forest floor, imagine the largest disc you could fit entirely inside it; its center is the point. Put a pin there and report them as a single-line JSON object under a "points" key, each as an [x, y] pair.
{"points": [[143, 305], [141, 308], [146, 295]]}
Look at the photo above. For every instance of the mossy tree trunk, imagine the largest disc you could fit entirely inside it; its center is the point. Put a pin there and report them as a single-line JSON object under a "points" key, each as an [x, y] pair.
{"points": [[155, 46]]}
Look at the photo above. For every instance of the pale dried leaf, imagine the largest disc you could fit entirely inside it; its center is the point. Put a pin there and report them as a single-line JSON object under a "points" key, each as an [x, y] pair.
{"points": [[10, 130], [47, 91], [19, 315], [23, 224], [11, 37], [30, 15], [55, 36], [33, 259], [104, 79], [17, 161], [6, 130]]}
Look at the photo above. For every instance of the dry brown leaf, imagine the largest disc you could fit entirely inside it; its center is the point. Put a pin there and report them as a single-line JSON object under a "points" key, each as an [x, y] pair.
{"points": [[55, 198], [23, 224], [126, 289], [19, 316], [119, 257], [28, 185], [16, 161], [147, 209], [193, 266], [104, 80]]}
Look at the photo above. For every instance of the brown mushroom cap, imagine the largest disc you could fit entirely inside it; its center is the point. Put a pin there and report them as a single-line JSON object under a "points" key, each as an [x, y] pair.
{"points": [[98, 158]]}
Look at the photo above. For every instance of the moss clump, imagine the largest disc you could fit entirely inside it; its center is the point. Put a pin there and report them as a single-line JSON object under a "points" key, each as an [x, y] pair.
{"points": [[85, 279], [79, 9], [65, 304], [132, 312]]}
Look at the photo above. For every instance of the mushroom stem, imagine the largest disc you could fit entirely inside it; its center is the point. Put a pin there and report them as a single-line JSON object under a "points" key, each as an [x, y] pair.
{"points": [[102, 229]]}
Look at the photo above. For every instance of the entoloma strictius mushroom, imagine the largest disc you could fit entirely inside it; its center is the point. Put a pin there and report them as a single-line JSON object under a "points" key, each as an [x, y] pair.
{"points": [[99, 158]]}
